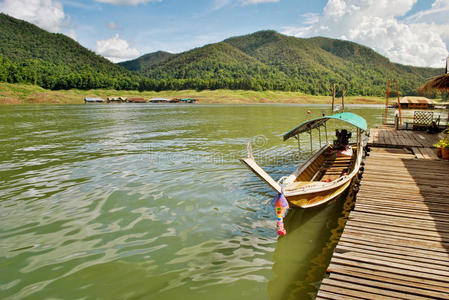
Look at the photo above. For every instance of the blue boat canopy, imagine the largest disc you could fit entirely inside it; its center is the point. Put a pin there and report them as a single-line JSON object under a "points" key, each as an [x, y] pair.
{"points": [[308, 125]]}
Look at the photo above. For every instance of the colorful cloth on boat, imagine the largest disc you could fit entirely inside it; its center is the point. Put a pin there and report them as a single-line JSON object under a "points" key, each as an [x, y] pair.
{"points": [[346, 152]]}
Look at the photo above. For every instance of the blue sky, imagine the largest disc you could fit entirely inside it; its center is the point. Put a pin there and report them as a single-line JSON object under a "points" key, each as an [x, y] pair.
{"points": [[412, 32]]}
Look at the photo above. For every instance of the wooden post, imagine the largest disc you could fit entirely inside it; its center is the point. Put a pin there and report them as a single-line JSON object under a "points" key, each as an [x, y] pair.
{"points": [[319, 133], [343, 99], [399, 102], [333, 96], [311, 148], [325, 128], [386, 102], [299, 148]]}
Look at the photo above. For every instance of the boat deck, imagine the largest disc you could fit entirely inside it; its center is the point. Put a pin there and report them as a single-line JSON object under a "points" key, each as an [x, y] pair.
{"points": [[395, 244]]}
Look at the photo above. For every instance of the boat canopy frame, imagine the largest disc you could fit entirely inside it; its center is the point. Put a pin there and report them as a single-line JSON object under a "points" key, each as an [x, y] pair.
{"points": [[308, 125], [316, 123]]}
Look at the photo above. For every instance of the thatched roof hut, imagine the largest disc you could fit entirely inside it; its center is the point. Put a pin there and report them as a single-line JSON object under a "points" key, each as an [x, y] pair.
{"points": [[439, 83]]}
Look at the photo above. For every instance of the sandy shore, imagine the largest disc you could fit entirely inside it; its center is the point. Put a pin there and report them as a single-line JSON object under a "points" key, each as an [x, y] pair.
{"points": [[31, 94]]}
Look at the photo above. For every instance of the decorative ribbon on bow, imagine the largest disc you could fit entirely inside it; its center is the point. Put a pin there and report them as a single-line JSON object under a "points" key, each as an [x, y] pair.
{"points": [[281, 206]]}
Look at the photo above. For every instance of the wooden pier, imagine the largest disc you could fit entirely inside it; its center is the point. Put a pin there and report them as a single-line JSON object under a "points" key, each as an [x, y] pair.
{"points": [[395, 244]]}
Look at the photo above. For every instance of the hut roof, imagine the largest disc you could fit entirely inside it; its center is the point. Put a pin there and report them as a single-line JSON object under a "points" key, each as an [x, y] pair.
{"points": [[416, 100], [440, 83]]}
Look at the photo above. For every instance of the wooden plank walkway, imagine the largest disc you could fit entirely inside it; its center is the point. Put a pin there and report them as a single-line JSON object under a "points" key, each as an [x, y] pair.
{"points": [[389, 137], [395, 244], [420, 142]]}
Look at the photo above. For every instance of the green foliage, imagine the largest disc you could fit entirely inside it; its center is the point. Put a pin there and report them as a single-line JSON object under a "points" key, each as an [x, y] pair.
{"points": [[29, 54], [267, 60], [262, 61], [146, 61]]}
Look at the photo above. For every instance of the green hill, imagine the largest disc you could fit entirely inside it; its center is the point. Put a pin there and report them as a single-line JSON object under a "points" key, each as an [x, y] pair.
{"points": [[146, 61], [54, 61], [269, 60], [265, 60]]}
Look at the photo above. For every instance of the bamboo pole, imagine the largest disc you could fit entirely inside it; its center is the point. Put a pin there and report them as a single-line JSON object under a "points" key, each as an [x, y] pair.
{"points": [[386, 102], [333, 96], [399, 102]]}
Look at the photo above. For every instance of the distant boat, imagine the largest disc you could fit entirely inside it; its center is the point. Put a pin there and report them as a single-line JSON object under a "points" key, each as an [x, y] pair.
{"points": [[337, 108], [93, 100], [116, 99], [159, 100], [189, 100], [136, 100], [330, 170]]}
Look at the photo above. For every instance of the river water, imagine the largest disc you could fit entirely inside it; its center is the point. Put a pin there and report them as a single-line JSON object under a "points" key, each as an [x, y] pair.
{"points": [[150, 201]]}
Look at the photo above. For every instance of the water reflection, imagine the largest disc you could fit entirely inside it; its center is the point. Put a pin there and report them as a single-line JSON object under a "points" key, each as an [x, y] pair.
{"points": [[301, 257]]}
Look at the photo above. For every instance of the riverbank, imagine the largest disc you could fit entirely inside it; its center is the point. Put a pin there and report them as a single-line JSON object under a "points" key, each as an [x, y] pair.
{"points": [[31, 94]]}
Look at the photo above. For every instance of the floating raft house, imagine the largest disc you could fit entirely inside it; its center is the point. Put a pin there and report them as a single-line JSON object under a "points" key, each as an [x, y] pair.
{"points": [[159, 100], [117, 99], [417, 103], [93, 100], [137, 100], [189, 100]]}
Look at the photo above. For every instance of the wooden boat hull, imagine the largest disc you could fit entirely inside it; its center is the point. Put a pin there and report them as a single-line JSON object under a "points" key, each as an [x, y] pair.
{"points": [[303, 190], [317, 198]]}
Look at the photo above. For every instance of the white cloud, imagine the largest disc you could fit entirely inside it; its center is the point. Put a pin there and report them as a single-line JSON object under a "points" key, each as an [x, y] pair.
{"points": [[47, 14], [219, 4], [127, 2], [112, 25], [377, 24], [116, 49], [249, 2]]}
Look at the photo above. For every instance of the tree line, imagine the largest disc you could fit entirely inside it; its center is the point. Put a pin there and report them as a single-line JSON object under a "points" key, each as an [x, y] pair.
{"points": [[58, 77]]}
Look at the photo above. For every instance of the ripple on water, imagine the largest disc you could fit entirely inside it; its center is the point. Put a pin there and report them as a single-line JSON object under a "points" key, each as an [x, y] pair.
{"points": [[145, 201]]}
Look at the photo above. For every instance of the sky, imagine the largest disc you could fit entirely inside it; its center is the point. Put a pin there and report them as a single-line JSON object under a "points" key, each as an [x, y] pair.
{"points": [[411, 32]]}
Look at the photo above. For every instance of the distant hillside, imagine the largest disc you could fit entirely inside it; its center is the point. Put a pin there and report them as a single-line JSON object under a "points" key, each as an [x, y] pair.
{"points": [[265, 60], [269, 60], [54, 61], [146, 61]]}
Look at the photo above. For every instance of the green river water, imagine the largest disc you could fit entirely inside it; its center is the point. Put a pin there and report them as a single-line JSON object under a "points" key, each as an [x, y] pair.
{"points": [[150, 202]]}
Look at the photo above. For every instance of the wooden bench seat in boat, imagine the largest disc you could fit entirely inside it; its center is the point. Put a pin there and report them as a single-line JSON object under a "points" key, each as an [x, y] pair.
{"points": [[334, 167]]}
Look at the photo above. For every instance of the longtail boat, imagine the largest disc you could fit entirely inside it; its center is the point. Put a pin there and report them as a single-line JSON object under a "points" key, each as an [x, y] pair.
{"points": [[328, 172]]}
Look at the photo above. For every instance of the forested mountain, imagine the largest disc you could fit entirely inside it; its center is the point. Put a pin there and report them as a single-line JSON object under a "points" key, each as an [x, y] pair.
{"points": [[269, 60], [264, 60], [146, 61], [55, 61]]}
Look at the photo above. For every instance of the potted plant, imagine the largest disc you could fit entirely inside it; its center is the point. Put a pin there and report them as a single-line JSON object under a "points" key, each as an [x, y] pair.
{"points": [[439, 149], [444, 144], [445, 148]]}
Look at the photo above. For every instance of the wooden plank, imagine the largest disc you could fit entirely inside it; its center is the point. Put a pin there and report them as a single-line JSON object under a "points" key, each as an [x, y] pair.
{"points": [[327, 295], [411, 292], [394, 261], [395, 240], [334, 286], [365, 291], [394, 251], [390, 268], [408, 280], [417, 152]]}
